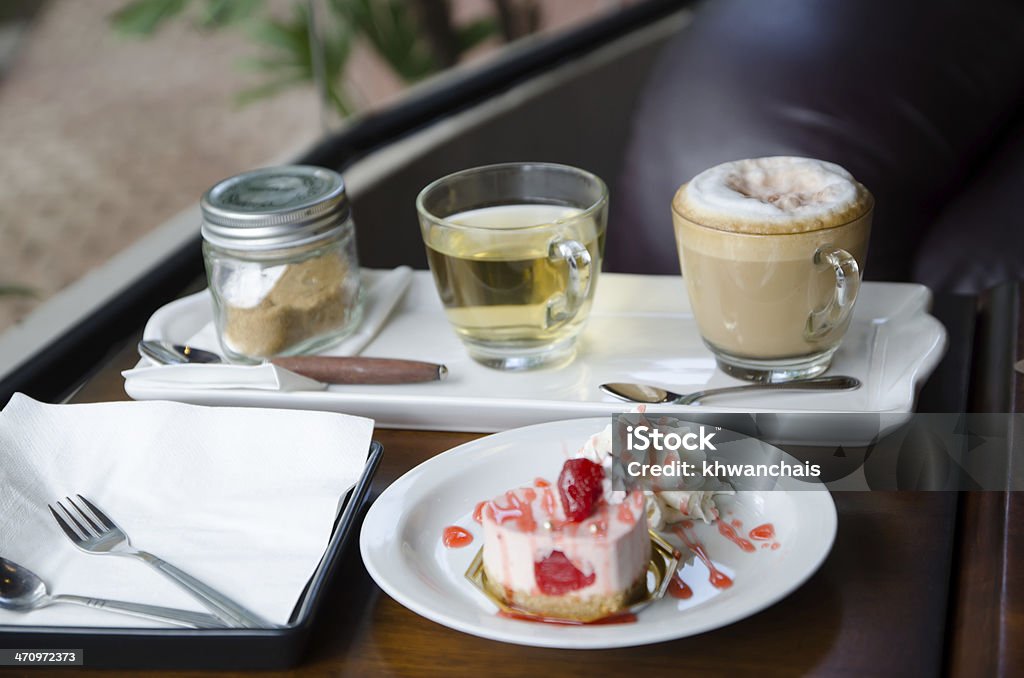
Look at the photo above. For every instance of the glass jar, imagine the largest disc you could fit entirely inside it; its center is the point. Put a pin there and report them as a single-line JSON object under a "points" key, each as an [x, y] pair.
{"points": [[280, 252]]}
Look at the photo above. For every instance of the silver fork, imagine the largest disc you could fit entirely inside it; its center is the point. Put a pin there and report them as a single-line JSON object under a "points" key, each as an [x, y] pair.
{"points": [[92, 531]]}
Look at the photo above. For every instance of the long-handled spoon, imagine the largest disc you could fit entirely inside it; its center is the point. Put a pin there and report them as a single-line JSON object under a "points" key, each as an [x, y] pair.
{"points": [[21, 590], [642, 393], [328, 369]]}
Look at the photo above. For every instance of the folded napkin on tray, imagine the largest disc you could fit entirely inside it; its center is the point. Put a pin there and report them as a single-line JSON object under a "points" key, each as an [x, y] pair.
{"points": [[243, 499], [382, 295]]}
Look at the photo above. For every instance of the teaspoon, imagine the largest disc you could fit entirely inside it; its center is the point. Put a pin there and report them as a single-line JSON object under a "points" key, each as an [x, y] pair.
{"points": [[21, 590], [642, 393]]}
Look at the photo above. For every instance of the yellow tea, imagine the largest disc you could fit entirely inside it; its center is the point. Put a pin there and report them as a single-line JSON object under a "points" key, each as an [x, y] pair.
{"points": [[502, 282]]}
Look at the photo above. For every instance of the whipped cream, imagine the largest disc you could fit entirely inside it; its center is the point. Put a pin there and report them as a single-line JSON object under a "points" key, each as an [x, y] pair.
{"points": [[695, 502]]}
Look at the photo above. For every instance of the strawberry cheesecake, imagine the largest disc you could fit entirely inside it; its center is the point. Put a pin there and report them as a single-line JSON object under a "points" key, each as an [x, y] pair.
{"points": [[567, 551]]}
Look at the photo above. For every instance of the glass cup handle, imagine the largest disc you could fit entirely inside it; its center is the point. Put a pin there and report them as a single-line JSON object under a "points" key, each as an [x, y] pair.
{"points": [[835, 313], [563, 307]]}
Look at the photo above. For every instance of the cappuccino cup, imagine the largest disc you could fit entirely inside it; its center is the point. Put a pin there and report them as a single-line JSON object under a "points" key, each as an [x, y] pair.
{"points": [[772, 251]]}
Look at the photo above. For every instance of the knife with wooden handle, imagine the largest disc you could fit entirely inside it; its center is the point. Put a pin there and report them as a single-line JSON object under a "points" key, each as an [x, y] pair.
{"points": [[346, 370]]}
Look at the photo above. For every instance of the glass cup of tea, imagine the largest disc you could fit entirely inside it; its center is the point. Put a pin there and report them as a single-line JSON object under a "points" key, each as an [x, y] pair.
{"points": [[515, 250]]}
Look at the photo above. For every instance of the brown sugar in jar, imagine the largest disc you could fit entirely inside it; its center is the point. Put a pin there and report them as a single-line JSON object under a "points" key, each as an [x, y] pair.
{"points": [[279, 247]]}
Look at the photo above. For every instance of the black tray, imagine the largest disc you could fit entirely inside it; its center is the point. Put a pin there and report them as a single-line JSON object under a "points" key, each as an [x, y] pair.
{"points": [[179, 648]]}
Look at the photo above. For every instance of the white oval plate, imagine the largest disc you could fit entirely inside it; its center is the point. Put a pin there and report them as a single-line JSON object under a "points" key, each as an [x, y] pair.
{"points": [[402, 550]]}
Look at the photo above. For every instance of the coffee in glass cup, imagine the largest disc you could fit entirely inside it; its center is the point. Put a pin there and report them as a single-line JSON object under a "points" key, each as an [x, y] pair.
{"points": [[772, 251]]}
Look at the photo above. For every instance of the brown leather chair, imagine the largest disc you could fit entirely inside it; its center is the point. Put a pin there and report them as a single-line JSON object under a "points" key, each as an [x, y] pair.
{"points": [[921, 100]]}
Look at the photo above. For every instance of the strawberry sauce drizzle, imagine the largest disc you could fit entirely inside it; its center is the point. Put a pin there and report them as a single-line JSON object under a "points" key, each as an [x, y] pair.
{"points": [[729, 532], [517, 510], [677, 588], [764, 532], [455, 537], [626, 514], [718, 579], [478, 513], [547, 502]]}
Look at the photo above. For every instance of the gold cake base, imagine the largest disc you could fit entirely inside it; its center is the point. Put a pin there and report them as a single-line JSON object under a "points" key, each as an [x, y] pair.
{"points": [[650, 587]]}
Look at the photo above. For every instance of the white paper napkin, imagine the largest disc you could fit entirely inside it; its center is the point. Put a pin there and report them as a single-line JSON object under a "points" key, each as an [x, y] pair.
{"points": [[381, 298], [265, 377], [243, 499]]}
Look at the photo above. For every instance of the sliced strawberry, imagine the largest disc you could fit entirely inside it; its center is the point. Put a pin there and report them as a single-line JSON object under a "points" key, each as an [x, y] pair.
{"points": [[556, 575], [579, 486]]}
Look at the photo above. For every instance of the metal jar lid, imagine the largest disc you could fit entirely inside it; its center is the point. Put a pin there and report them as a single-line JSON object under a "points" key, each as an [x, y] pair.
{"points": [[274, 207]]}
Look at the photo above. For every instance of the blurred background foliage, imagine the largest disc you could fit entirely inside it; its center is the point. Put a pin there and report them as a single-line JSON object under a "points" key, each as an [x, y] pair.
{"points": [[16, 290], [313, 41]]}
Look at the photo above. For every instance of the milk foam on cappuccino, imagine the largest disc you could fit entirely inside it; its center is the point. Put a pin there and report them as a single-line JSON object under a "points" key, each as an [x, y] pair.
{"points": [[775, 195]]}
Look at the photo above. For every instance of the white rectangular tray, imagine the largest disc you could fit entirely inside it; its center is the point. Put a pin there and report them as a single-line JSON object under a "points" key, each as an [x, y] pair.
{"points": [[640, 330]]}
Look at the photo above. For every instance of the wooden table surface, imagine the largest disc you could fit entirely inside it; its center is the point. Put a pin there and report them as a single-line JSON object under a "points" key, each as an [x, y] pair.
{"points": [[917, 584], [872, 598], [986, 625], [878, 606]]}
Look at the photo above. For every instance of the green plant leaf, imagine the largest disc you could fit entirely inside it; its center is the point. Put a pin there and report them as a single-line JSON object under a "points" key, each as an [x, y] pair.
{"points": [[288, 57], [337, 98], [220, 13], [268, 64], [144, 17], [477, 32], [287, 46], [282, 35], [17, 291], [267, 89], [392, 30], [287, 60]]}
